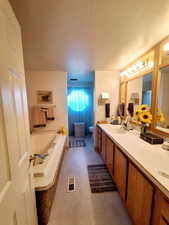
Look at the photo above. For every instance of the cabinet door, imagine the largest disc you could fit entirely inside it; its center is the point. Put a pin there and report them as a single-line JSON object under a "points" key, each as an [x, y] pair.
{"points": [[165, 211], [103, 151], [139, 197], [161, 209], [110, 155], [97, 138], [120, 171], [163, 221], [100, 139]]}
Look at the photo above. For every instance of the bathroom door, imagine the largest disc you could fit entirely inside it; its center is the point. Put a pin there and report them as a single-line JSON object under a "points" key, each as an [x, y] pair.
{"points": [[17, 197]]}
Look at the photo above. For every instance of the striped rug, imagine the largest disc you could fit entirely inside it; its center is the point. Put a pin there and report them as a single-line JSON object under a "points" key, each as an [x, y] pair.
{"points": [[100, 179]]}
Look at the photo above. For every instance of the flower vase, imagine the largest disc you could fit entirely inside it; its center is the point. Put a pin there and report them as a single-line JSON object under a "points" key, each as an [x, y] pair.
{"points": [[143, 129]]}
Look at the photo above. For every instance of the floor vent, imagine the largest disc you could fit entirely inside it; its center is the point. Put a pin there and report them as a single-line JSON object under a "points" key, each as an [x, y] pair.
{"points": [[71, 184]]}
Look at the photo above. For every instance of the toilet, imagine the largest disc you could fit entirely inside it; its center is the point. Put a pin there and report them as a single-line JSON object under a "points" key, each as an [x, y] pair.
{"points": [[91, 130]]}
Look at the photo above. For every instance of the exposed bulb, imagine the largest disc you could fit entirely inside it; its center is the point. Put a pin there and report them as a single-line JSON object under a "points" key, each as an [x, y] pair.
{"points": [[166, 47]]}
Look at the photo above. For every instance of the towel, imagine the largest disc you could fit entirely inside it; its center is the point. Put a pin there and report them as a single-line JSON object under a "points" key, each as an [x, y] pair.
{"points": [[131, 109], [120, 110], [50, 113], [38, 117]]}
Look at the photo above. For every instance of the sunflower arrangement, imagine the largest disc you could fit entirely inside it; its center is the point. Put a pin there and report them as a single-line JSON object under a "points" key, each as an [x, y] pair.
{"points": [[159, 116], [144, 117], [143, 114]]}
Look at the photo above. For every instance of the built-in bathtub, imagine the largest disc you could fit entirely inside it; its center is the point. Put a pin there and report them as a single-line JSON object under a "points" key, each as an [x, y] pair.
{"points": [[46, 174], [40, 141]]}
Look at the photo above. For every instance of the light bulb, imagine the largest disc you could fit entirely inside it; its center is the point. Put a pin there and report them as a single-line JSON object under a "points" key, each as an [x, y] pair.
{"points": [[166, 47], [134, 68], [150, 64], [122, 74], [139, 64]]}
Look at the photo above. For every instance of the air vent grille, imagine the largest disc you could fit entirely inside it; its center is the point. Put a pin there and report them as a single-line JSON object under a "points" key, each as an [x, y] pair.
{"points": [[71, 184]]}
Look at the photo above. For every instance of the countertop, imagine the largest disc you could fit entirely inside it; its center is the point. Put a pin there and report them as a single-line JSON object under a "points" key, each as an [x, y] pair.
{"points": [[152, 160]]}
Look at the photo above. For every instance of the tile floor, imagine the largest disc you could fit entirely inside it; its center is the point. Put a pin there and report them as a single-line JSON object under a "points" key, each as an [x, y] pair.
{"points": [[82, 207]]}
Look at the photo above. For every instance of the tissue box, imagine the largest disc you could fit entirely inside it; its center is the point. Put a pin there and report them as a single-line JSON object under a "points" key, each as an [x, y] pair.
{"points": [[151, 138]]}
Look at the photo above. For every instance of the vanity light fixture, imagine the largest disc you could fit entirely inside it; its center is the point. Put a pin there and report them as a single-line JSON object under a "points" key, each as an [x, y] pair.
{"points": [[150, 64], [130, 75], [129, 71], [166, 47], [139, 65], [134, 68], [122, 74]]}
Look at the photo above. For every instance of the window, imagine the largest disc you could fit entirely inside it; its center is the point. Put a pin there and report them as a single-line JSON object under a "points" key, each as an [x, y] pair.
{"points": [[78, 100]]}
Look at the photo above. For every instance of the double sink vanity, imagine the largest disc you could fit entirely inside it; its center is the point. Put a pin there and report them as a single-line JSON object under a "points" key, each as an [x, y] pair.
{"points": [[140, 171]]}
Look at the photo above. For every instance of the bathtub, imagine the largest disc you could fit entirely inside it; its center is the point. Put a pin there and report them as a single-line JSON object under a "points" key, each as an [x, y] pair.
{"points": [[46, 174], [53, 145], [41, 141]]}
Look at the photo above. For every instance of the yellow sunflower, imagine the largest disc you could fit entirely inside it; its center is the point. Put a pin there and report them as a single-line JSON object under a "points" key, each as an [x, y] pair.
{"points": [[146, 117], [137, 115], [164, 125], [160, 116], [143, 108]]}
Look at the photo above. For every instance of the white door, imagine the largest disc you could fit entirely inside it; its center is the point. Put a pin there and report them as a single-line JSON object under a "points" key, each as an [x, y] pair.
{"points": [[17, 197]]}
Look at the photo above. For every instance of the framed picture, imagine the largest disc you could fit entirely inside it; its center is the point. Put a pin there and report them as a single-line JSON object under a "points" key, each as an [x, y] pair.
{"points": [[44, 97]]}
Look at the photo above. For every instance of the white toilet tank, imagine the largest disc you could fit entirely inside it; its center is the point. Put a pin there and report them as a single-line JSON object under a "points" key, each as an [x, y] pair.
{"points": [[91, 129]]}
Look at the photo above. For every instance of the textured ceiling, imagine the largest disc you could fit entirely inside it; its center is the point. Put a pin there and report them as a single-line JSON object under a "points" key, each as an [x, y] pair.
{"points": [[85, 35]]}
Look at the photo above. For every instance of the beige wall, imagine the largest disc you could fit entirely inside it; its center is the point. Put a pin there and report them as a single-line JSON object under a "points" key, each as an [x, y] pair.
{"points": [[106, 81], [55, 81]]}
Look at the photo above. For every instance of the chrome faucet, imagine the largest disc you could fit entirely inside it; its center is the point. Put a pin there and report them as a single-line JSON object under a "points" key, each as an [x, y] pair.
{"points": [[126, 125]]}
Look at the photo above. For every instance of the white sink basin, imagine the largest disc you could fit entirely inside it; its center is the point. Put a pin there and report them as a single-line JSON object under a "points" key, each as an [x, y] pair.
{"points": [[117, 129]]}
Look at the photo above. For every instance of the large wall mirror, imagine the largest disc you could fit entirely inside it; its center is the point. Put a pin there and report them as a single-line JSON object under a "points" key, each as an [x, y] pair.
{"points": [[139, 91], [146, 81], [163, 100]]}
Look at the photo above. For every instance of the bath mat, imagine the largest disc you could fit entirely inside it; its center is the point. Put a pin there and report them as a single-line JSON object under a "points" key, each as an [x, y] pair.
{"points": [[76, 143], [100, 179]]}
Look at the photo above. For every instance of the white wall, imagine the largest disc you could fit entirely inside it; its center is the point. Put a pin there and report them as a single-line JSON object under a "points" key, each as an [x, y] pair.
{"points": [[55, 81], [106, 81]]}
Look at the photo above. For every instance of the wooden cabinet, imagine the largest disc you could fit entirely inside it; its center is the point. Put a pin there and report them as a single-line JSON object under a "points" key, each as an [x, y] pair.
{"points": [[145, 203], [139, 197], [120, 171], [109, 155], [103, 149], [163, 222], [161, 210], [98, 139]]}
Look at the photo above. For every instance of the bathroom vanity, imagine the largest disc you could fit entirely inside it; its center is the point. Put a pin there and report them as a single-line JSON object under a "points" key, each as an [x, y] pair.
{"points": [[140, 171]]}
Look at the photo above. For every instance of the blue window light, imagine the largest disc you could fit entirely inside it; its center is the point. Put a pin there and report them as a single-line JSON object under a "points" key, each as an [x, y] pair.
{"points": [[78, 100]]}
